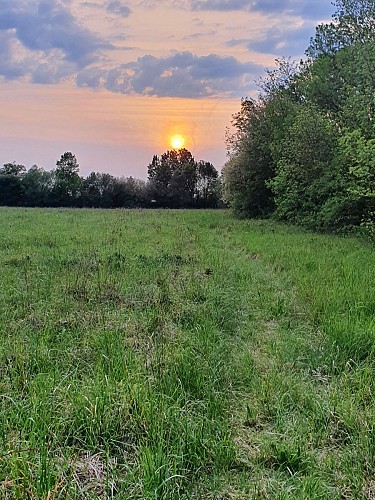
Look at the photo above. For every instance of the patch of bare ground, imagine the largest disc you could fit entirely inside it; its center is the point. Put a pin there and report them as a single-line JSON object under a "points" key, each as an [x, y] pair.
{"points": [[369, 490], [90, 475]]}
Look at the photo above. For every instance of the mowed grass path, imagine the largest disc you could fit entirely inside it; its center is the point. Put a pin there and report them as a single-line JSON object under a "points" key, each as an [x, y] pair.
{"points": [[181, 354]]}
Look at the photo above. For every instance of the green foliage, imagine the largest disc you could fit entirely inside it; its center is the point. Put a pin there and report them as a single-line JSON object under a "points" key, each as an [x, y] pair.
{"points": [[353, 23], [37, 186], [358, 154], [305, 172], [246, 174], [315, 152]]}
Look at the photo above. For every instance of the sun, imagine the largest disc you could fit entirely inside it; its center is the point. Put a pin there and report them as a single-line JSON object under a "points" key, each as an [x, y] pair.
{"points": [[177, 142]]}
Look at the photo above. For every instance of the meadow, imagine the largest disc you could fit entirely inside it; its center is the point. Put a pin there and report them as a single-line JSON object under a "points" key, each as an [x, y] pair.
{"points": [[183, 355]]}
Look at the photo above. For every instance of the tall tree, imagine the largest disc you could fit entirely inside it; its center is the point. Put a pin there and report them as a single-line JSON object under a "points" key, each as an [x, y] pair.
{"points": [[67, 180], [250, 166], [353, 23], [207, 184], [172, 178], [159, 176]]}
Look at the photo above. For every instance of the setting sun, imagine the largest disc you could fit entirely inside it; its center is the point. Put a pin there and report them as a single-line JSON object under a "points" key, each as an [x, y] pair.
{"points": [[177, 142]]}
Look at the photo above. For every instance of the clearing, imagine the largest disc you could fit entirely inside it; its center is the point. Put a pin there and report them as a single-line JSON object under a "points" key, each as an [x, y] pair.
{"points": [[183, 355]]}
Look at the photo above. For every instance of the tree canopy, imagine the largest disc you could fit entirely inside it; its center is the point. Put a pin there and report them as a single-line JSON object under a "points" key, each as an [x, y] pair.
{"points": [[304, 150], [176, 179]]}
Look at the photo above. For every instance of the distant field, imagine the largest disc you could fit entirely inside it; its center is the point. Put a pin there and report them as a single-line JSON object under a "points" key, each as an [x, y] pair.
{"points": [[183, 354]]}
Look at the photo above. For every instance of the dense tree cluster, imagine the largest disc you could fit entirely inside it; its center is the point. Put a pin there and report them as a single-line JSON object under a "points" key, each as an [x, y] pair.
{"points": [[175, 180], [304, 151]]}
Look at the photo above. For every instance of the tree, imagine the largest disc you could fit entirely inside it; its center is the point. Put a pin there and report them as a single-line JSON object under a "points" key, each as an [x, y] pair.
{"points": [[128, 192], [250, 166], [13, 169], [10, 190], [305, 147], [182, 187], [67, 180], [353, 23], [177, 180], [37, 186], [97, 190], [207, 182], [159, 176], [341, 75], [357, 155], [10, 184], [306, 176]]}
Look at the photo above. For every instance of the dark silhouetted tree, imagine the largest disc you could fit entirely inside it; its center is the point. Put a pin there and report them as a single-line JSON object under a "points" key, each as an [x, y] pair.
{"points": [[66, 189], [12, 169], [11, 184], [177, 180], [37, 186]]}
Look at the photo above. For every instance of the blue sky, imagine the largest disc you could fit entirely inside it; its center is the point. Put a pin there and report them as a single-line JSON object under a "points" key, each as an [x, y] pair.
{"points": [[112, 80]]}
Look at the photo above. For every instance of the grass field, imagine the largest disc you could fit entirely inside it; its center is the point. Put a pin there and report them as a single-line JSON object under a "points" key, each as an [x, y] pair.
{"points": [[181, 354]]}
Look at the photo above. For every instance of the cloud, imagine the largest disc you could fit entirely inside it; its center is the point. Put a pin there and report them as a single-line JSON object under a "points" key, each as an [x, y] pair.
{"points": [[223, 5], [307, 9], [9, 66], [48, 26], [16, 62], [43, 42], [280, 40], [180, 75], [118, 7]]}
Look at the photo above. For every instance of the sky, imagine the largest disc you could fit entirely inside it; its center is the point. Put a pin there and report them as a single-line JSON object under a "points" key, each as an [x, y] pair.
{"points": [[113, 80]]}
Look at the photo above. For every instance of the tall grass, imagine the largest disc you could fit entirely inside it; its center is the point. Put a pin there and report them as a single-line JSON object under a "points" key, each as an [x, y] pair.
{"points": [[182, 354]]}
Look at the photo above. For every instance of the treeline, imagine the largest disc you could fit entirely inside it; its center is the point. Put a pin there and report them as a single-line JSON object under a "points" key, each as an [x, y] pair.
{"points": [[304, 150], [175, 180]]}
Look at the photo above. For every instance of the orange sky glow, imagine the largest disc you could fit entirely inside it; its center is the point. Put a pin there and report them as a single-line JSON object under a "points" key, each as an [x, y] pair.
{"points": [[120, 78]]}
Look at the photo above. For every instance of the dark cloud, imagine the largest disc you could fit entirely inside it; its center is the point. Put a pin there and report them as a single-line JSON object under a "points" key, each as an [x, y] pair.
{"points": [[290, 42], [117, 7], [38, 68], [9, 66], [180, 75], [280, 40], [224, 5], [308, 9], [48, 25], [42, 41]]}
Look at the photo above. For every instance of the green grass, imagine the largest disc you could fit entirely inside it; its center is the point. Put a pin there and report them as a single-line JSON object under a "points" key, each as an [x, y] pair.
{"points": [[183, 354]]}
